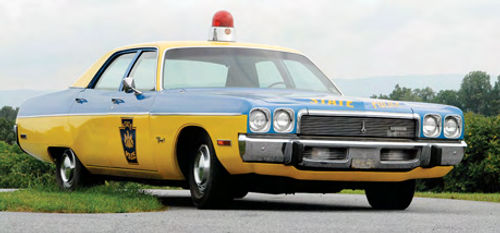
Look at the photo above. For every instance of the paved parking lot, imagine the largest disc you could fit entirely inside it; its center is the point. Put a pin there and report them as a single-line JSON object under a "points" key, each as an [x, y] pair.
{"points": [[272, 213]]}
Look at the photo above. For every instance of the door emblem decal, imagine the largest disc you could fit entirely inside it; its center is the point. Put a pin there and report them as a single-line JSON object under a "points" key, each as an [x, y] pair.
{"points": [[127, 132]]}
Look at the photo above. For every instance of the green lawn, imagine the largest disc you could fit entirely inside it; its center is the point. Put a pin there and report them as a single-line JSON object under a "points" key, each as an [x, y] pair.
{"points": [[100, 199], [490, 197]]}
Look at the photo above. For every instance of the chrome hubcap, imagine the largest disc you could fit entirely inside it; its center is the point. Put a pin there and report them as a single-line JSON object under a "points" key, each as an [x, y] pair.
{"points": [[67, 168], [201, 167]]}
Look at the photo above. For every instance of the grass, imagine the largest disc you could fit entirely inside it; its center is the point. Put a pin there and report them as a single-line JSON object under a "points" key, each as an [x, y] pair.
{"points": [[489, 197], [100, 199]]}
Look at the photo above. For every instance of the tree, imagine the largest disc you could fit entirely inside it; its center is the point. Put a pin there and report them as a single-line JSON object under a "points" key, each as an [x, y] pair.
{"points": [[408, 94], [7, 131], [425, 94], [403, 94], [8, 113], [449, 97], [475, 92], [495, 98]]}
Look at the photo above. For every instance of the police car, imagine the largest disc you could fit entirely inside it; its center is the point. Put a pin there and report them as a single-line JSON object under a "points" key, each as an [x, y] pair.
{"points": [[223, 118]]}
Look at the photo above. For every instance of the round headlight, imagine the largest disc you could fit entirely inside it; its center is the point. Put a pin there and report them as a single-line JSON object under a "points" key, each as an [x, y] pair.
{"points": [[283, 120], [431, 125], [259, 120], [451, 127]]}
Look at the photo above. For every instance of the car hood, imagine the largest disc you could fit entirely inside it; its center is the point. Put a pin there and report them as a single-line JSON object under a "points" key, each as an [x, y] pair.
{"points": [[298, 100]]}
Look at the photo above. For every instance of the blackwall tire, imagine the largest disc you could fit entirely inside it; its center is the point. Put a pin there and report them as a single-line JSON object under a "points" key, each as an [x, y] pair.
{"points": [[208, 180], [391, 195], [71, 174]]}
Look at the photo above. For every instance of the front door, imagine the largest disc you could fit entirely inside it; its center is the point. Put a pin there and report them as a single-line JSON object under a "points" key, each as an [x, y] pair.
{"points": [[113, 126], [131, 119]]}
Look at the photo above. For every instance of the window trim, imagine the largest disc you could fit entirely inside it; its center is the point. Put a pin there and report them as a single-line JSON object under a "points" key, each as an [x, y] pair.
{"points": [[109, 61], [134, 62]]}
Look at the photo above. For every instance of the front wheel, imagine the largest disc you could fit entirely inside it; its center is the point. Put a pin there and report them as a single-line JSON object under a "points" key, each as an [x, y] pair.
{"points": [[391, 195], [208, 180]]}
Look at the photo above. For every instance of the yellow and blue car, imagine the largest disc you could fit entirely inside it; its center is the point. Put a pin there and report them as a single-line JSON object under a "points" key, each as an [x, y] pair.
{"points": [[224, 118]]}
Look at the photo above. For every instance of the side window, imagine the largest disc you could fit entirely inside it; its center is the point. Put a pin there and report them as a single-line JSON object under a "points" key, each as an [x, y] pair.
{"points": [[144, 72], [303, 77], [269, 75], [112, 77]]}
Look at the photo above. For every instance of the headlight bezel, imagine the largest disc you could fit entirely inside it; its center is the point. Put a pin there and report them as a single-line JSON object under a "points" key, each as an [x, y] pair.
{"points": [[291, 125], [267, 126], [458, 133], [439, 123]]}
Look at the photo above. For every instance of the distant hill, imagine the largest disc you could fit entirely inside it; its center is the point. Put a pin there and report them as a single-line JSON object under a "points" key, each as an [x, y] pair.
{"points": [[365, 87], [15, 98]]}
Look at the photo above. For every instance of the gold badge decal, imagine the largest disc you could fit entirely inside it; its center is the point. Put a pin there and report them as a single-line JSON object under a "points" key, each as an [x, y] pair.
{"points": [[127, 132]]}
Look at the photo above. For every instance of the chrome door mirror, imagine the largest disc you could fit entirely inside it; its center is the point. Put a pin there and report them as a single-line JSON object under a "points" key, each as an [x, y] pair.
{"points": [[129, 86]]}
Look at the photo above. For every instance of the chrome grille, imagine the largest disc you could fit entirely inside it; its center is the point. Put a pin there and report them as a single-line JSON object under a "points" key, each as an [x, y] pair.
{"points": [[349, 126]]}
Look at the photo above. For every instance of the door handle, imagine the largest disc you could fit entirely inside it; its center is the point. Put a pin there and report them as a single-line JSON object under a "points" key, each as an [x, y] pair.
{"points": [[117, 101], [81, 100]]}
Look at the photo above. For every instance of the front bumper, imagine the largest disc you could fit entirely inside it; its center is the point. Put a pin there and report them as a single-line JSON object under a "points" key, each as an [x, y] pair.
{"points": [[350, 154]]}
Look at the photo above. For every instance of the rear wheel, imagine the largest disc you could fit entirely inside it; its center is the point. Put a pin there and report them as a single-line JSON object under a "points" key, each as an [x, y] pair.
{"points": [[208, 180], [391, 196], [71, 173]]}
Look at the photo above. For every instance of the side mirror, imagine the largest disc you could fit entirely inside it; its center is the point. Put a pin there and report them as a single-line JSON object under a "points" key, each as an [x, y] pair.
{"points": [[129, 86]]}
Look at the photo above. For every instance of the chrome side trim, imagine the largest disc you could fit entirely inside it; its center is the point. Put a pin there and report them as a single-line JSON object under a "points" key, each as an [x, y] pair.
{"points": [[196, 114], [135, 114], [86, 114]]}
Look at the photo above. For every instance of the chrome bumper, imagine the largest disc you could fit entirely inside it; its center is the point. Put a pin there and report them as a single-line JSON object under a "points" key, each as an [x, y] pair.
{"points": [[358, 154]]}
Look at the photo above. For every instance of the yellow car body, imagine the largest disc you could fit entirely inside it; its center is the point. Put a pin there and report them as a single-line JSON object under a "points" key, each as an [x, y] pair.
{"points": [[99, 147]]}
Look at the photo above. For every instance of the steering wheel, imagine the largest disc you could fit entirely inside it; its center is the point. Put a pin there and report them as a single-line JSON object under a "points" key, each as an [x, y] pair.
{"points": [[276, 83]]}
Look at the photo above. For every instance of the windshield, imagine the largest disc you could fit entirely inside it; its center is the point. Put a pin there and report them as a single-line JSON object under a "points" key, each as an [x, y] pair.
{"points": [[241, 67]]}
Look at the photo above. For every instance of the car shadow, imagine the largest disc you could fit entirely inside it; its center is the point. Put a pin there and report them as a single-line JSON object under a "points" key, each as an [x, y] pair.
{"points": [[264, 205]]}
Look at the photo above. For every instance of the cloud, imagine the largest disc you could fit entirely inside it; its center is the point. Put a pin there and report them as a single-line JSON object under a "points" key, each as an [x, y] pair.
{"points": [[48, 44]]}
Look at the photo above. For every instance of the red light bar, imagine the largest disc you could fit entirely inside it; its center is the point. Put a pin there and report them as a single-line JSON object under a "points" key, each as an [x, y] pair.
{"points": [[222, 27], [222, 19]]}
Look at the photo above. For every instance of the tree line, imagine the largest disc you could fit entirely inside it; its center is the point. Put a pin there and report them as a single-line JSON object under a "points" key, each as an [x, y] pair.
{"points": [[7, 121], [479, 171], [476, 94]]}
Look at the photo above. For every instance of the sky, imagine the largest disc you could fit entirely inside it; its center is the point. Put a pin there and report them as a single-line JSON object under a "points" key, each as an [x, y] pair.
{"points": [[47, 45]]}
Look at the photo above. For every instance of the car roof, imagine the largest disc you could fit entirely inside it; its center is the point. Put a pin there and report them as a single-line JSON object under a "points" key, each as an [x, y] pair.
{"points": [[85, 79]]}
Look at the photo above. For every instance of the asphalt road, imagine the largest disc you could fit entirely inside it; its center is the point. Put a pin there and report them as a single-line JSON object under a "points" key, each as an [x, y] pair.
{"points": [[273, 213]]}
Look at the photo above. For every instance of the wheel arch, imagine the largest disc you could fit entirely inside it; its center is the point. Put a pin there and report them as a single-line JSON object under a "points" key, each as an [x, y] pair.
{"points": [[56, 151], [186, 138]]}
